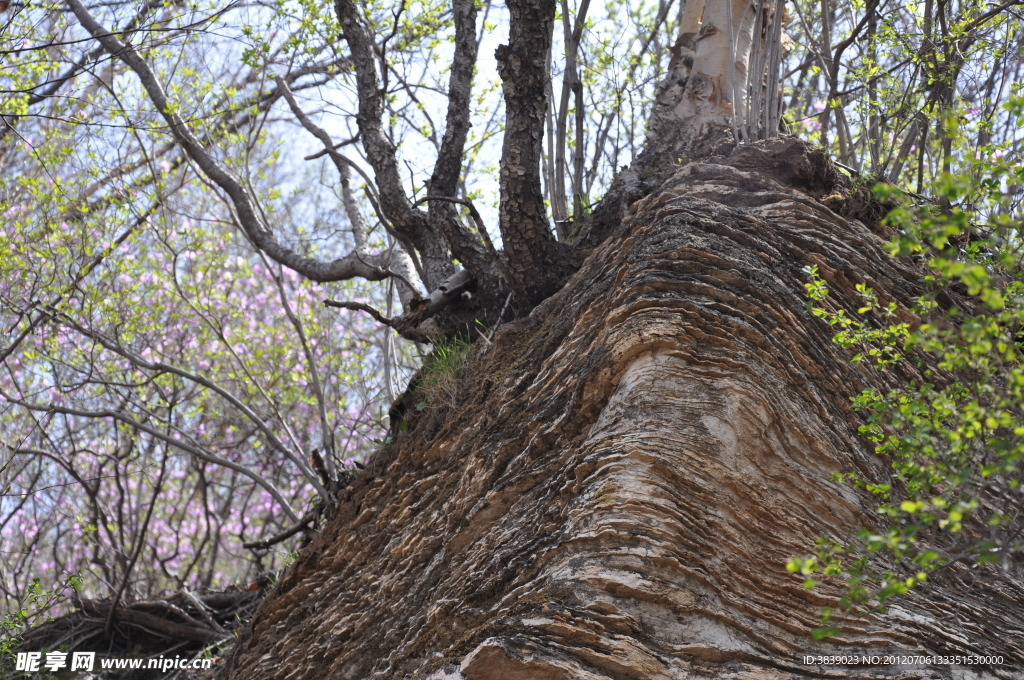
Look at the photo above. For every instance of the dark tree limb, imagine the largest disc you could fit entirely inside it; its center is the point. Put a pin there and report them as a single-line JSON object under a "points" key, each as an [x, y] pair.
{"points": [[409, 324], [203, 610], [408, 222], [360, 307], [152, 623], [221, 613], [479, 222], [416, 323], [538, 264], [448, 168], [287, 533]]}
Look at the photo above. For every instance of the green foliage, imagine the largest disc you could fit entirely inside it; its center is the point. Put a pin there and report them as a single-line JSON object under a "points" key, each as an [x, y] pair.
{"points": [[955, 438], [916, 84], [288, 557], [37, 605]]}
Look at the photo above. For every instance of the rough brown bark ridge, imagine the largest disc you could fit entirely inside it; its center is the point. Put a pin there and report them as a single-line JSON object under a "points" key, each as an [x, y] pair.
{"points": [[626, 471]]}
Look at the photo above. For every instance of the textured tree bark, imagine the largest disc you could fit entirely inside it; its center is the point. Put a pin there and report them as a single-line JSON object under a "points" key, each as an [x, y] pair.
{"points": [[537, 262], [626, 471], [723, 73]]}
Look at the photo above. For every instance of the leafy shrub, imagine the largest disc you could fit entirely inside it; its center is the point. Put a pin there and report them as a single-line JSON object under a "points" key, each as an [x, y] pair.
{"points": [[955, 439]]}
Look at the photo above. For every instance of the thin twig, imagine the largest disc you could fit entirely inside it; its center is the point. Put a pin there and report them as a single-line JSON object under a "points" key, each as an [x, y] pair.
{"points": [[360, 307], [324, 152], [284, 535], [202, 610], [501, 314]]}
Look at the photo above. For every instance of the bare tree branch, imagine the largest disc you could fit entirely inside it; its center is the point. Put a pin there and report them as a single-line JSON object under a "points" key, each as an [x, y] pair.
{"points": [[284, 535], [572, 34], [207, 383], [448, 168], [196, 451], [249, 218], [399, 258], [408, 222], [360, 307], [479, 222], [415, 324]]}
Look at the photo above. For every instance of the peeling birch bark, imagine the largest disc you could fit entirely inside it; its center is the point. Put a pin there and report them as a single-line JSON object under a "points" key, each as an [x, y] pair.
{"points": [[708, 86]]}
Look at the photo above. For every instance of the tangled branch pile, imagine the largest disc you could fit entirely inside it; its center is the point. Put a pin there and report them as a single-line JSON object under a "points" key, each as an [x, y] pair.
{"points": [[181, 624]]}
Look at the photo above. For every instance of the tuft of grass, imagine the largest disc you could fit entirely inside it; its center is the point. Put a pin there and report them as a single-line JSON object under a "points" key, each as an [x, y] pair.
{"points": [[439, 382]]}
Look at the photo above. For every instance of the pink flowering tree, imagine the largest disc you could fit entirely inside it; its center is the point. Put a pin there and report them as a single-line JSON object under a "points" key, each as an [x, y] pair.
{"points": [[169, 394]]}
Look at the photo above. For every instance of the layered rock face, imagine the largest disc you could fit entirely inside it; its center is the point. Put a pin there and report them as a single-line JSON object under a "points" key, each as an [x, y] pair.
{"points": [[617, 487]]}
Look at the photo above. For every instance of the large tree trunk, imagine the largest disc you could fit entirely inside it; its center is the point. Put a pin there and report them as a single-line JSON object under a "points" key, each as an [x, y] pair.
{"points": [[624, 473]]}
